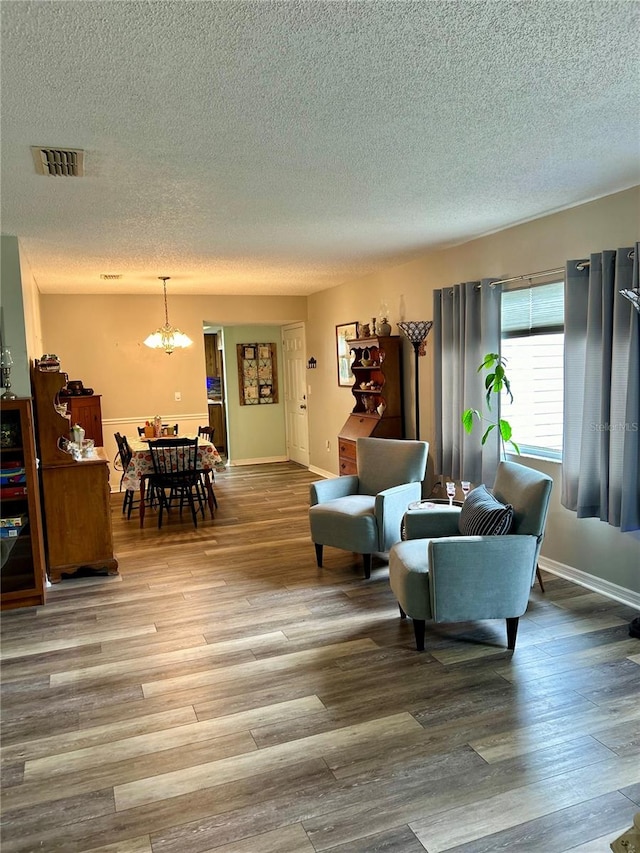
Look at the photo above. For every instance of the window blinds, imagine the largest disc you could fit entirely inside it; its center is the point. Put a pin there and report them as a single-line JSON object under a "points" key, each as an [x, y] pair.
{"points": [[536, 310]]}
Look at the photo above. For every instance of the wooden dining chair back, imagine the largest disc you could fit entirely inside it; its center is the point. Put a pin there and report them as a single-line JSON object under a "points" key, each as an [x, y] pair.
{"points": [[124, 455], [175, 475], [208, 477]]}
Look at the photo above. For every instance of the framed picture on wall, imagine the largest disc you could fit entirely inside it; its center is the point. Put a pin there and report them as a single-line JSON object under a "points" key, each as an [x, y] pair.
{"points": [[345, 332], [257, 374]]}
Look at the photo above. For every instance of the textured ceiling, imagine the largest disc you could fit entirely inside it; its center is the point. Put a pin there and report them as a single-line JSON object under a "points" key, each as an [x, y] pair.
{"points": [[282, 147]]}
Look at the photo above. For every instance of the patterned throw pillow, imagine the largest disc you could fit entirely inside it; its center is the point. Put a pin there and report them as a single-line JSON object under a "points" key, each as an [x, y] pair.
{"points": [[483, 515]]}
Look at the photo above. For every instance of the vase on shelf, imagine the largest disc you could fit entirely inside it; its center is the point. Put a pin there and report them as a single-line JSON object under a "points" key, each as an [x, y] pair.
{"points": [[383, 328]]}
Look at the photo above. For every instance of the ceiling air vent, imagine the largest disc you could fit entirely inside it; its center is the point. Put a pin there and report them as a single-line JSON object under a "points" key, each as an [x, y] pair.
{"points": [[110, 276], [63, 162]]}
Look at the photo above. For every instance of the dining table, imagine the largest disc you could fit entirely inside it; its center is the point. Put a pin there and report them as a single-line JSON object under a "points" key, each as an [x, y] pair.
{"points": [[140, 468]]}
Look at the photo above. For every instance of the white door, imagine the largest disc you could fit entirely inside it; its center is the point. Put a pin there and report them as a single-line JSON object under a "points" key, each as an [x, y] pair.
{"points": [[295, 391]]}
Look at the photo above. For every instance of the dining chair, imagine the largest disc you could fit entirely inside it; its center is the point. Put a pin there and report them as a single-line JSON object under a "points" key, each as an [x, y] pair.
{"points": [[125, 453], [208, 477], [175, 475]]}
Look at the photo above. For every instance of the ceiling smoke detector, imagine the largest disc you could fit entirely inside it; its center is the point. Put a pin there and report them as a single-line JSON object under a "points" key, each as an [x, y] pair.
{"points": [[59, 162]]}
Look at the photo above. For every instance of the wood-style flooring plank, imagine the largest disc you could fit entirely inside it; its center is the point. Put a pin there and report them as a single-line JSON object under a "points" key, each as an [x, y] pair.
{"points": [[223, 693]]}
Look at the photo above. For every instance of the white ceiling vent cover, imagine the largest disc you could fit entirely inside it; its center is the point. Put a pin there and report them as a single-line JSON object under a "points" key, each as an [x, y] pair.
{"points": [[59, 162]]}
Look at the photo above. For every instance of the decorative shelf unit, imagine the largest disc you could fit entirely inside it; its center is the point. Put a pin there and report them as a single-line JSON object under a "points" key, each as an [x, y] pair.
{"points": [[377, 392], [75, 493], [22, 576]]}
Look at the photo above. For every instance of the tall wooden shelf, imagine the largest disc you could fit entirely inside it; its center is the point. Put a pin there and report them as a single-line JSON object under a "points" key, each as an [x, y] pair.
{"points": [[75, 493], [377, 390], [22, 576]]}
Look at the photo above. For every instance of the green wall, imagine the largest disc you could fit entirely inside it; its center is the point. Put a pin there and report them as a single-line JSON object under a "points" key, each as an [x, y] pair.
{"points": [[256, 433]]}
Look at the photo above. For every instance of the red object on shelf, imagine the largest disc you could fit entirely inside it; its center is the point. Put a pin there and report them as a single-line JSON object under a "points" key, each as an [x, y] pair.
{"points": [[13, 492]]}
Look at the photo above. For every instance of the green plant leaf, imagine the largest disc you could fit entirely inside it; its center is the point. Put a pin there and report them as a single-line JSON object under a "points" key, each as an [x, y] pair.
{"points": [[486, 435], [507, 386], [515, 446], [500, 372], [489, 360], [467, 419], [505, 430]]}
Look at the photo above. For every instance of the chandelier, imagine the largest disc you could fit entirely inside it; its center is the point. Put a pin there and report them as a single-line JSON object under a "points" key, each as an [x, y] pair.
{"points": [[167, 337]]}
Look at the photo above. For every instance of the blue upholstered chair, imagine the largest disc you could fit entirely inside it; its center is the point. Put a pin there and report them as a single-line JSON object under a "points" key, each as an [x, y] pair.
{"points": [[363, 512], [441, 575]]}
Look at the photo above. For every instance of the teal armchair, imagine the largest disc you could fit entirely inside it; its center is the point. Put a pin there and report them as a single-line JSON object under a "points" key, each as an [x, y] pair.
{"points": [[363, 513], [440, 575]]}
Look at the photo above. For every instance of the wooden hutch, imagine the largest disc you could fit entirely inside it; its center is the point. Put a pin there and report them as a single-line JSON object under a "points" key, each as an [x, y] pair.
{"points": [[76, 496], [377, 391]]}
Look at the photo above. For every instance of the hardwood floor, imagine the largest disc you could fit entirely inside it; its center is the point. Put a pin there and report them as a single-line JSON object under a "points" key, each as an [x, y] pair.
{"points": [[224, 694]]}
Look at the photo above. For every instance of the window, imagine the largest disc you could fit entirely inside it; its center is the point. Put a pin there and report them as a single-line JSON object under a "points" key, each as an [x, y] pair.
{"points": [[533, 345]]}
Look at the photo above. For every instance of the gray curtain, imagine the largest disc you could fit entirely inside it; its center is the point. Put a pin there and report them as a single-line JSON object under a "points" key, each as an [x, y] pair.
{"points": [[601, 453], [466, 327]]}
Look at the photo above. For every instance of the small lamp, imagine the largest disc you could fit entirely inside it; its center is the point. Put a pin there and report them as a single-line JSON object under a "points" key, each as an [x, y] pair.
{"points": [[416, 332], [6, 362]]}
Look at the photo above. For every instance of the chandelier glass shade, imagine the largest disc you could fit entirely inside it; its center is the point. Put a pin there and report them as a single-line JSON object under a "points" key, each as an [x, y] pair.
{"points": [[167, 337]]}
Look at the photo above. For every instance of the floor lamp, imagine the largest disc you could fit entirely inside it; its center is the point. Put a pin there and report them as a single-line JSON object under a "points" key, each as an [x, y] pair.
{"points": [[416, 332]]}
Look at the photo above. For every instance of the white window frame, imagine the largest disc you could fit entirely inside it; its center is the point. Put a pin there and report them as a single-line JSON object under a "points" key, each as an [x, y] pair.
{"points": [[535, 324]]}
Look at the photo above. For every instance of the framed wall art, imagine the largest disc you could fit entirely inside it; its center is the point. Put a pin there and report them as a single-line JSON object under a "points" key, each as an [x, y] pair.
{"points": [[257, 374], [347, 331]]}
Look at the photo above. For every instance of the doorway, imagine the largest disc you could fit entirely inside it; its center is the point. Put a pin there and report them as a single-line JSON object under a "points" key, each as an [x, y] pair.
{"points": [[216, 394], [295, 388]]}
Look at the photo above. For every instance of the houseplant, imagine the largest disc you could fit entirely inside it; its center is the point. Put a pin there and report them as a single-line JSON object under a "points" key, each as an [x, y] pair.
{"points": [[495, 382]]}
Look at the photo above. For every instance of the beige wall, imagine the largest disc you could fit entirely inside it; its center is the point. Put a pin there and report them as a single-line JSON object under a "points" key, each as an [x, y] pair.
{"points": [[542, 244], [538, 245], [99, 341]]}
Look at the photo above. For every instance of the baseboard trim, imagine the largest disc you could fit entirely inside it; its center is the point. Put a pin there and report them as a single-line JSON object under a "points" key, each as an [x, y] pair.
{"points": [[263, 460], [604, 587], [321, 472]]}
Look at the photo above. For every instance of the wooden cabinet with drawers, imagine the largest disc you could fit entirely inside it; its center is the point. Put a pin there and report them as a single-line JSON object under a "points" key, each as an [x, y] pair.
{"points": [[377, 392]]}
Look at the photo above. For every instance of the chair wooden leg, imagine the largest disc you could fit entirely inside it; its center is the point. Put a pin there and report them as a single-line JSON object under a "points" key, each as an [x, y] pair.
{"points": [[367, 559], [143, 499], [539, 576], [318, 555], [403, 615], [512, 631], [418, 630]]}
